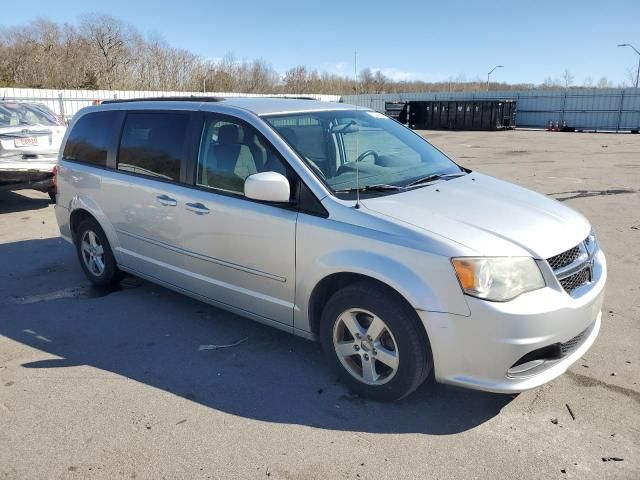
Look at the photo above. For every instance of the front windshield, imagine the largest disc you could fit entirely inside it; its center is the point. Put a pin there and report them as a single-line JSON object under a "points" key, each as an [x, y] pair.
{"points": [[387, 153], [25, 114]]}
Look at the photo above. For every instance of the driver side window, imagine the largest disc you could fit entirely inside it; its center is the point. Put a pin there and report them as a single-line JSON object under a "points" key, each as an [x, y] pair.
{"points": [[230, 151]]}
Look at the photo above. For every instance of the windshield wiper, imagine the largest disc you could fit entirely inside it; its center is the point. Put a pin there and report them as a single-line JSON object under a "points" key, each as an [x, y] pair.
{"points": [[380, 187], [434, 177]]}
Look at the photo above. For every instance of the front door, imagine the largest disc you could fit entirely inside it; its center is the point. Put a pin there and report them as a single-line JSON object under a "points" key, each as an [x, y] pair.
{"points": [[238, 252]]}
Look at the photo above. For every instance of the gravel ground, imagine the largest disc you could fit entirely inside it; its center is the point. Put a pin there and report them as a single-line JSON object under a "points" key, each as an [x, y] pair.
{"points": [[113, 384]]}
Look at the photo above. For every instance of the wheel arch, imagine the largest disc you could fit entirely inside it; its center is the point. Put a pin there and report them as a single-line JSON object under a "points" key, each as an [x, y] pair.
{"points": [[76, 218], [82, 208], [332, 283]]}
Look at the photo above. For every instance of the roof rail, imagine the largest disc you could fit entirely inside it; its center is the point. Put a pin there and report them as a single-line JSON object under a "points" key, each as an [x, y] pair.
{"points": [[191, 98], [294, 97]]}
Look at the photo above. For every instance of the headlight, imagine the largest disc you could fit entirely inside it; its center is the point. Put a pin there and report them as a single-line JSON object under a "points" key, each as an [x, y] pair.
{"points": [[498, 278]]}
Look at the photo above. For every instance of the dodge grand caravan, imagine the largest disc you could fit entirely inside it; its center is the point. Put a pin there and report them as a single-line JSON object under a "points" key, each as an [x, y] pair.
{"points": [[339, 224]]}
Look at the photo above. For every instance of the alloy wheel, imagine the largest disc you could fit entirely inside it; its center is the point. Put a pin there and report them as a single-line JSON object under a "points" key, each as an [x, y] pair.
{"points": [[365, 346], [92, 253]]}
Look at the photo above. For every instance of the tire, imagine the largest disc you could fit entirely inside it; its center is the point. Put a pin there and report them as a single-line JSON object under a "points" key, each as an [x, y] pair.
{"points": [[397, 357], [91, 241], [52, 195]]}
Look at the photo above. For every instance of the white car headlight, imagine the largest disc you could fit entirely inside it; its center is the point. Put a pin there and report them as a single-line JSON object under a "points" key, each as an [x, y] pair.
{"points": [[497, 278]]}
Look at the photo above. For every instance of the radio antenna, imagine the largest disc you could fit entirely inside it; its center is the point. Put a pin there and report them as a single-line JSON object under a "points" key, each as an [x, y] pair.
{"points": [[355, 74]]}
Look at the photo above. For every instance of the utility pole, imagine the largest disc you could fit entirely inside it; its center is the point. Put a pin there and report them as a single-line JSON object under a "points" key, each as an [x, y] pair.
{"points": [[490, 72], [635, 50], [204, 80]]}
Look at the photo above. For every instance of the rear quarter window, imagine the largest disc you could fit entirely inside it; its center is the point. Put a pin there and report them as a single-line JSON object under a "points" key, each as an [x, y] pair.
{"points": [[89, 139]]}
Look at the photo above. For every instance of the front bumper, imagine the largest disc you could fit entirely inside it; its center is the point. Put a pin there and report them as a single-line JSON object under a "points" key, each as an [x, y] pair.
{"points": [[480, 350]]}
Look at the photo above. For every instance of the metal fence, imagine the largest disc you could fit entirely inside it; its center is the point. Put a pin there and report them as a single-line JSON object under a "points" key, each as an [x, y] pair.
{"points": [[67, 102], [611, 109]]}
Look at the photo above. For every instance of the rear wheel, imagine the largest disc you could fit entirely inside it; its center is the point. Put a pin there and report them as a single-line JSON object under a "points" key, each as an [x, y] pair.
{"points": [[95, 255], [375, 342]]}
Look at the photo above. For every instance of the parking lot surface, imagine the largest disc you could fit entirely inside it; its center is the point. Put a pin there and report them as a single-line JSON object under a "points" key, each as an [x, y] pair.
{"points": [[125, 383]]}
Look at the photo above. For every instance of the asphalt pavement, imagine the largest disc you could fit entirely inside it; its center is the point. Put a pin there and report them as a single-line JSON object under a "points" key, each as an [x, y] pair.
{"points": [[125, 383]]}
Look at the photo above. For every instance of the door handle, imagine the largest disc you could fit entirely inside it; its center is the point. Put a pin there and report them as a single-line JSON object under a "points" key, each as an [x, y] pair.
{"points": [[167, 200], [197, 208]]}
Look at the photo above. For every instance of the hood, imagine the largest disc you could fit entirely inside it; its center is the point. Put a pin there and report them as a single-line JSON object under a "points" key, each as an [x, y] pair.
{"points": [[487, 215]]}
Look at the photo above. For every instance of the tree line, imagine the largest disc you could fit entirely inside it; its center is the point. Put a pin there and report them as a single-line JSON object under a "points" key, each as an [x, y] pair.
{"points": [[102, 52]]}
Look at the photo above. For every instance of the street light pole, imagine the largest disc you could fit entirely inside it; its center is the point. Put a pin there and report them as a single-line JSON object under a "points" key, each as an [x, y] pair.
{"points": [[204, 80], [635, 50], [490, 72]]}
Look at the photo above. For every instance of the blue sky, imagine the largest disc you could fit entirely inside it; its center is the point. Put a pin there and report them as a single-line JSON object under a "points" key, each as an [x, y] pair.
{"points": [[405, 39]]}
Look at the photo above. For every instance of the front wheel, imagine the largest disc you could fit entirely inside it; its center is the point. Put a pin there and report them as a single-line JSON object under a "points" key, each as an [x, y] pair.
{"points": [[375, 342]]}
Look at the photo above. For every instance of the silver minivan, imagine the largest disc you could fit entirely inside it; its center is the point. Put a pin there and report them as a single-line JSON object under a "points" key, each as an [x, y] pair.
{"points": [[335, 223]]}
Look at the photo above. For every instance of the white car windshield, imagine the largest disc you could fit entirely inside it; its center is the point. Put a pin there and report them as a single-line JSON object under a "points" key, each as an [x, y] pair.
{"points": [[388, 155], [26, 114]]}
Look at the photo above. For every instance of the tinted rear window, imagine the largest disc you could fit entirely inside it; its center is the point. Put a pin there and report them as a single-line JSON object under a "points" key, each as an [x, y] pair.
{"points": [[154, 144], [89, 139]]}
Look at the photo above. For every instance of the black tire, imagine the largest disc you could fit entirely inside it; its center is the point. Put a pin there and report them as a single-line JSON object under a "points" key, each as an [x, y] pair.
{"points": [[412, 345], [110, 275], [52, 194]]}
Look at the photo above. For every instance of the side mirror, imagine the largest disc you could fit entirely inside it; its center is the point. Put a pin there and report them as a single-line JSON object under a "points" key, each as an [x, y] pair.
{"points": [[267, 186]]}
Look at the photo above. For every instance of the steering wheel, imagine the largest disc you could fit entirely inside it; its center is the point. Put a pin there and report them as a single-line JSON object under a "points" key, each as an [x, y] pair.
{"points": [[366, 153]]}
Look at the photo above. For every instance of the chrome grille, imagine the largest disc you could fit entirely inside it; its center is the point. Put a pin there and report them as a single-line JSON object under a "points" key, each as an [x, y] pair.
{"points": [[574, 267], [576, 280], [565, 258]]}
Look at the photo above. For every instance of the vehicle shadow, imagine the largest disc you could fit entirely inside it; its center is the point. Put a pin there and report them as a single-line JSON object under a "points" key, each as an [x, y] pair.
{"points": [[163, 339], [15, 202]]}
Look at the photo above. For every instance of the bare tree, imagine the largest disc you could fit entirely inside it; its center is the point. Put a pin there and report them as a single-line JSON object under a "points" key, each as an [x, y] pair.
{"points": [[103, 52], [551, 84], [366, 81], [109, 39], [567, 78], [604, 83], [379, 82], [630, 75], [295, 80]]}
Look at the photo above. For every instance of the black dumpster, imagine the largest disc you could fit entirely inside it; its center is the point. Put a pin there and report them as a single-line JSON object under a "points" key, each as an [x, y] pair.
{"points": [[459, 114], [393, 109]]}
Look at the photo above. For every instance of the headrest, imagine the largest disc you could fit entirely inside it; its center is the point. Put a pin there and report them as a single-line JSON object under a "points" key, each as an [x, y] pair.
{"points": [[289, 135], [228, 135]]}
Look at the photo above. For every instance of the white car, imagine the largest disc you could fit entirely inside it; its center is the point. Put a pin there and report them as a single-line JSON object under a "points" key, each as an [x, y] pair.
{"points": [[30, 138], [339, 224]]}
